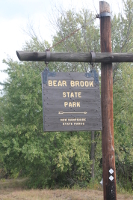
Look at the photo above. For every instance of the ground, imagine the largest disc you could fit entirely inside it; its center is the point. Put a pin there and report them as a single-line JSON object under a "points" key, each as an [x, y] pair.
{"points": [[12, 190]]}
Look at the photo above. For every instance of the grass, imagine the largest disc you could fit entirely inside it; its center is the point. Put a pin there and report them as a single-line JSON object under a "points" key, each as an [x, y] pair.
{"points": [[14, 190], [12, 183]]}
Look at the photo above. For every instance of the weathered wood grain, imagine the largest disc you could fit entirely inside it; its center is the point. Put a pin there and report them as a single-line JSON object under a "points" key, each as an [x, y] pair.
{"points": [[108, 152], [104, 57], [59, 110]]}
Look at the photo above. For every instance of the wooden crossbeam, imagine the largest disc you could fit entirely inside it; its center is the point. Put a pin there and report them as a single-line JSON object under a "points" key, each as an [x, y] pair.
{"points": [[75, 57]]}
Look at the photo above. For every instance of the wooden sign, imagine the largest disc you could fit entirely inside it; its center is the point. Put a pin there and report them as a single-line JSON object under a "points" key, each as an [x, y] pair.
{"points": [[71, 101]]}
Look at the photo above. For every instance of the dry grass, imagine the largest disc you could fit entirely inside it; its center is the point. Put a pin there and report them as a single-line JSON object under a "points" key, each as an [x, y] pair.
{"points": [[12, 183], [19, 194], [15, 192]]}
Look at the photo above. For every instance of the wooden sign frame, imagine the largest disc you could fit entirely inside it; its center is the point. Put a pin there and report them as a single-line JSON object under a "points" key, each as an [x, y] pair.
{"points": [[71, 101]]}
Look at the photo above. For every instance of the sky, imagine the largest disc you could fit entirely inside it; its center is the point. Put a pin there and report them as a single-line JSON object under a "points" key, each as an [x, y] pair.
{"points": [[17, 15]]}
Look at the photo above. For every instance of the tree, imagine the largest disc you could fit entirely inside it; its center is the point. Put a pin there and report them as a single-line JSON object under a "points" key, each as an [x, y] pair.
{"points": [[77, 33], [25, 147], [122, 40], [123, 125], [21, 114], [122, 32]]}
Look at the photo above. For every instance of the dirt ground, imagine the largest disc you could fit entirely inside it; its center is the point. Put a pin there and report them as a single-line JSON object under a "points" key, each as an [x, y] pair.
{"points": [[12, 190], [64, 194]]}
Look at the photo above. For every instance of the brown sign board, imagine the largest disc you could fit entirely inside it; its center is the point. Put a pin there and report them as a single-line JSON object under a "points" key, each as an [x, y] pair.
{"points": [[71, 101]]}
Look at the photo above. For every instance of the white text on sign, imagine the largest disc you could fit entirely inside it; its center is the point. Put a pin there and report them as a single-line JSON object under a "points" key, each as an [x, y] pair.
{"points": [[63, 83]]}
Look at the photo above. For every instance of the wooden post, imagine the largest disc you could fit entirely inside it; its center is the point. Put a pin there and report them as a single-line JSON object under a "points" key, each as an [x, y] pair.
{"points": [[108, 152], [92, 153]]}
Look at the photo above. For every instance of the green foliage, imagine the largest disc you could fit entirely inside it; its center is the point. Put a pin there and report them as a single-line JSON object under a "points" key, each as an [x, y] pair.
{"points": [[122, 41], [84, 40], [66, 161], [22, 115], [123, 117], [50, 159], [122, 29]]}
